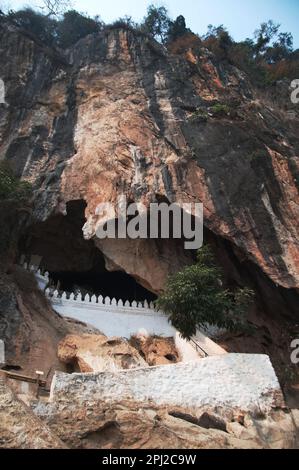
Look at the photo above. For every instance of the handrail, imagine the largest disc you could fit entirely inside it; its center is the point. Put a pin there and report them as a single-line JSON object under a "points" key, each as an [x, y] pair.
{"points": [[197, 347], [23, 378], [99, 300]]}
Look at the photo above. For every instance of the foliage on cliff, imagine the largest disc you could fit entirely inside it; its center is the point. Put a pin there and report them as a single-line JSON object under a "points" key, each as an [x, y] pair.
{"points": [[63, 32], [267, 57], [15, 196], [11, 188], [195, 296]]}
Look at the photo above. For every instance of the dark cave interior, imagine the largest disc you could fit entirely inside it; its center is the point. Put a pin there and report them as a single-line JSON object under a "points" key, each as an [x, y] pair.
{"points": [[74, 263], [118, 284]]}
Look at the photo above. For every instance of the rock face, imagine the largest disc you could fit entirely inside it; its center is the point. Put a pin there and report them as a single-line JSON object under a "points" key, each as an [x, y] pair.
{"points": [[128, 425], [156, 350], [29, 327], [97, 353], [19, 427], [229, 402], [120, 115]]}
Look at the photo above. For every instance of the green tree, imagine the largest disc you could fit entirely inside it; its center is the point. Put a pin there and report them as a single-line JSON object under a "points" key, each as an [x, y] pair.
{"points": [[264, 35], [41, 26], [219, 41], [195, 296], [281, 48], [125, 22], [11, 188], [177, 29], [156, 23], [75, 26]]}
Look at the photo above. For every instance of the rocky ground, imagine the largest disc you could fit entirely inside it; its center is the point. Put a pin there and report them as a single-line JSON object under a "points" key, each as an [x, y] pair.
{"points": [[121, 425], [131, 425], [20, 428]]}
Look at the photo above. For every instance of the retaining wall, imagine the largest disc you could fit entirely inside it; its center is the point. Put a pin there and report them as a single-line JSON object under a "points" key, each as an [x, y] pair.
{"points": [[234, 381]]}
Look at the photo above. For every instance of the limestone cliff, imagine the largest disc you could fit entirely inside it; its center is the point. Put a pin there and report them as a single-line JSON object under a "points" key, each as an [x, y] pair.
{"points": [[117, 114]]}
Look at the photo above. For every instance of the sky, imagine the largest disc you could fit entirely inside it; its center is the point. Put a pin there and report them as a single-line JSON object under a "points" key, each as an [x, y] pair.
{"points": [[241, 17]]}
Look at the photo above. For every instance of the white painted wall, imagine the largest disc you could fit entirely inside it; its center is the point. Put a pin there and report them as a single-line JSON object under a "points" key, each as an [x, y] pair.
{"points": [[124, 319], [233, 381], [126, 322], [115, 321]]}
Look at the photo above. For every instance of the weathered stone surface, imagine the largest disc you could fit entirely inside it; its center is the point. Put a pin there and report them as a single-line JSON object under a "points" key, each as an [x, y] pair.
{"points": [[97, 353], [131, 425], [29, 327], [19, 427], [157, 351], [231, 382], [212, 421], [117, 115], [121, 410]]}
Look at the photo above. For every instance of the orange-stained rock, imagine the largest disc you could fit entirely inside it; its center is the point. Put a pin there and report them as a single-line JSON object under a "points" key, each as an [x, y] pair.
{"points": [[157, 351], [96, 353]]}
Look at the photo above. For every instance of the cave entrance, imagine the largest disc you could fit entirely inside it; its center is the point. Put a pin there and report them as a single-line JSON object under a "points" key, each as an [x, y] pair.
{"points": [[118, 284], [74, 263]]}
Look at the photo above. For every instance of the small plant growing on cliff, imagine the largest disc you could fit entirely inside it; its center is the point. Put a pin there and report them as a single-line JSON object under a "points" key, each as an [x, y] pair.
{"points": [[199, 115], [156, 23], [220, 109], [11, 188], [195, 297]]}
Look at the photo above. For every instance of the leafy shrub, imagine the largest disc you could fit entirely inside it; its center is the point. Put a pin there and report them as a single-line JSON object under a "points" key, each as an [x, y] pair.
{"points": [[125, 22], [218, 41], [156, 23], [184, 43], [41, 26], [220, 109], [75, 26], [11, 188], [63, 33], [177, 29], [199, 115], [195, 296], [283, 69]]}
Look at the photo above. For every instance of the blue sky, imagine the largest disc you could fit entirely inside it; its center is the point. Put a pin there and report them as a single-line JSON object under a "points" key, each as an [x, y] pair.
{"points": [[241, 17]]}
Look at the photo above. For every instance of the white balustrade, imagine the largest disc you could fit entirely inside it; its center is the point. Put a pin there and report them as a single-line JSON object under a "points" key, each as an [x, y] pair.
{"points": [[55, 293], [117, 316]]}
